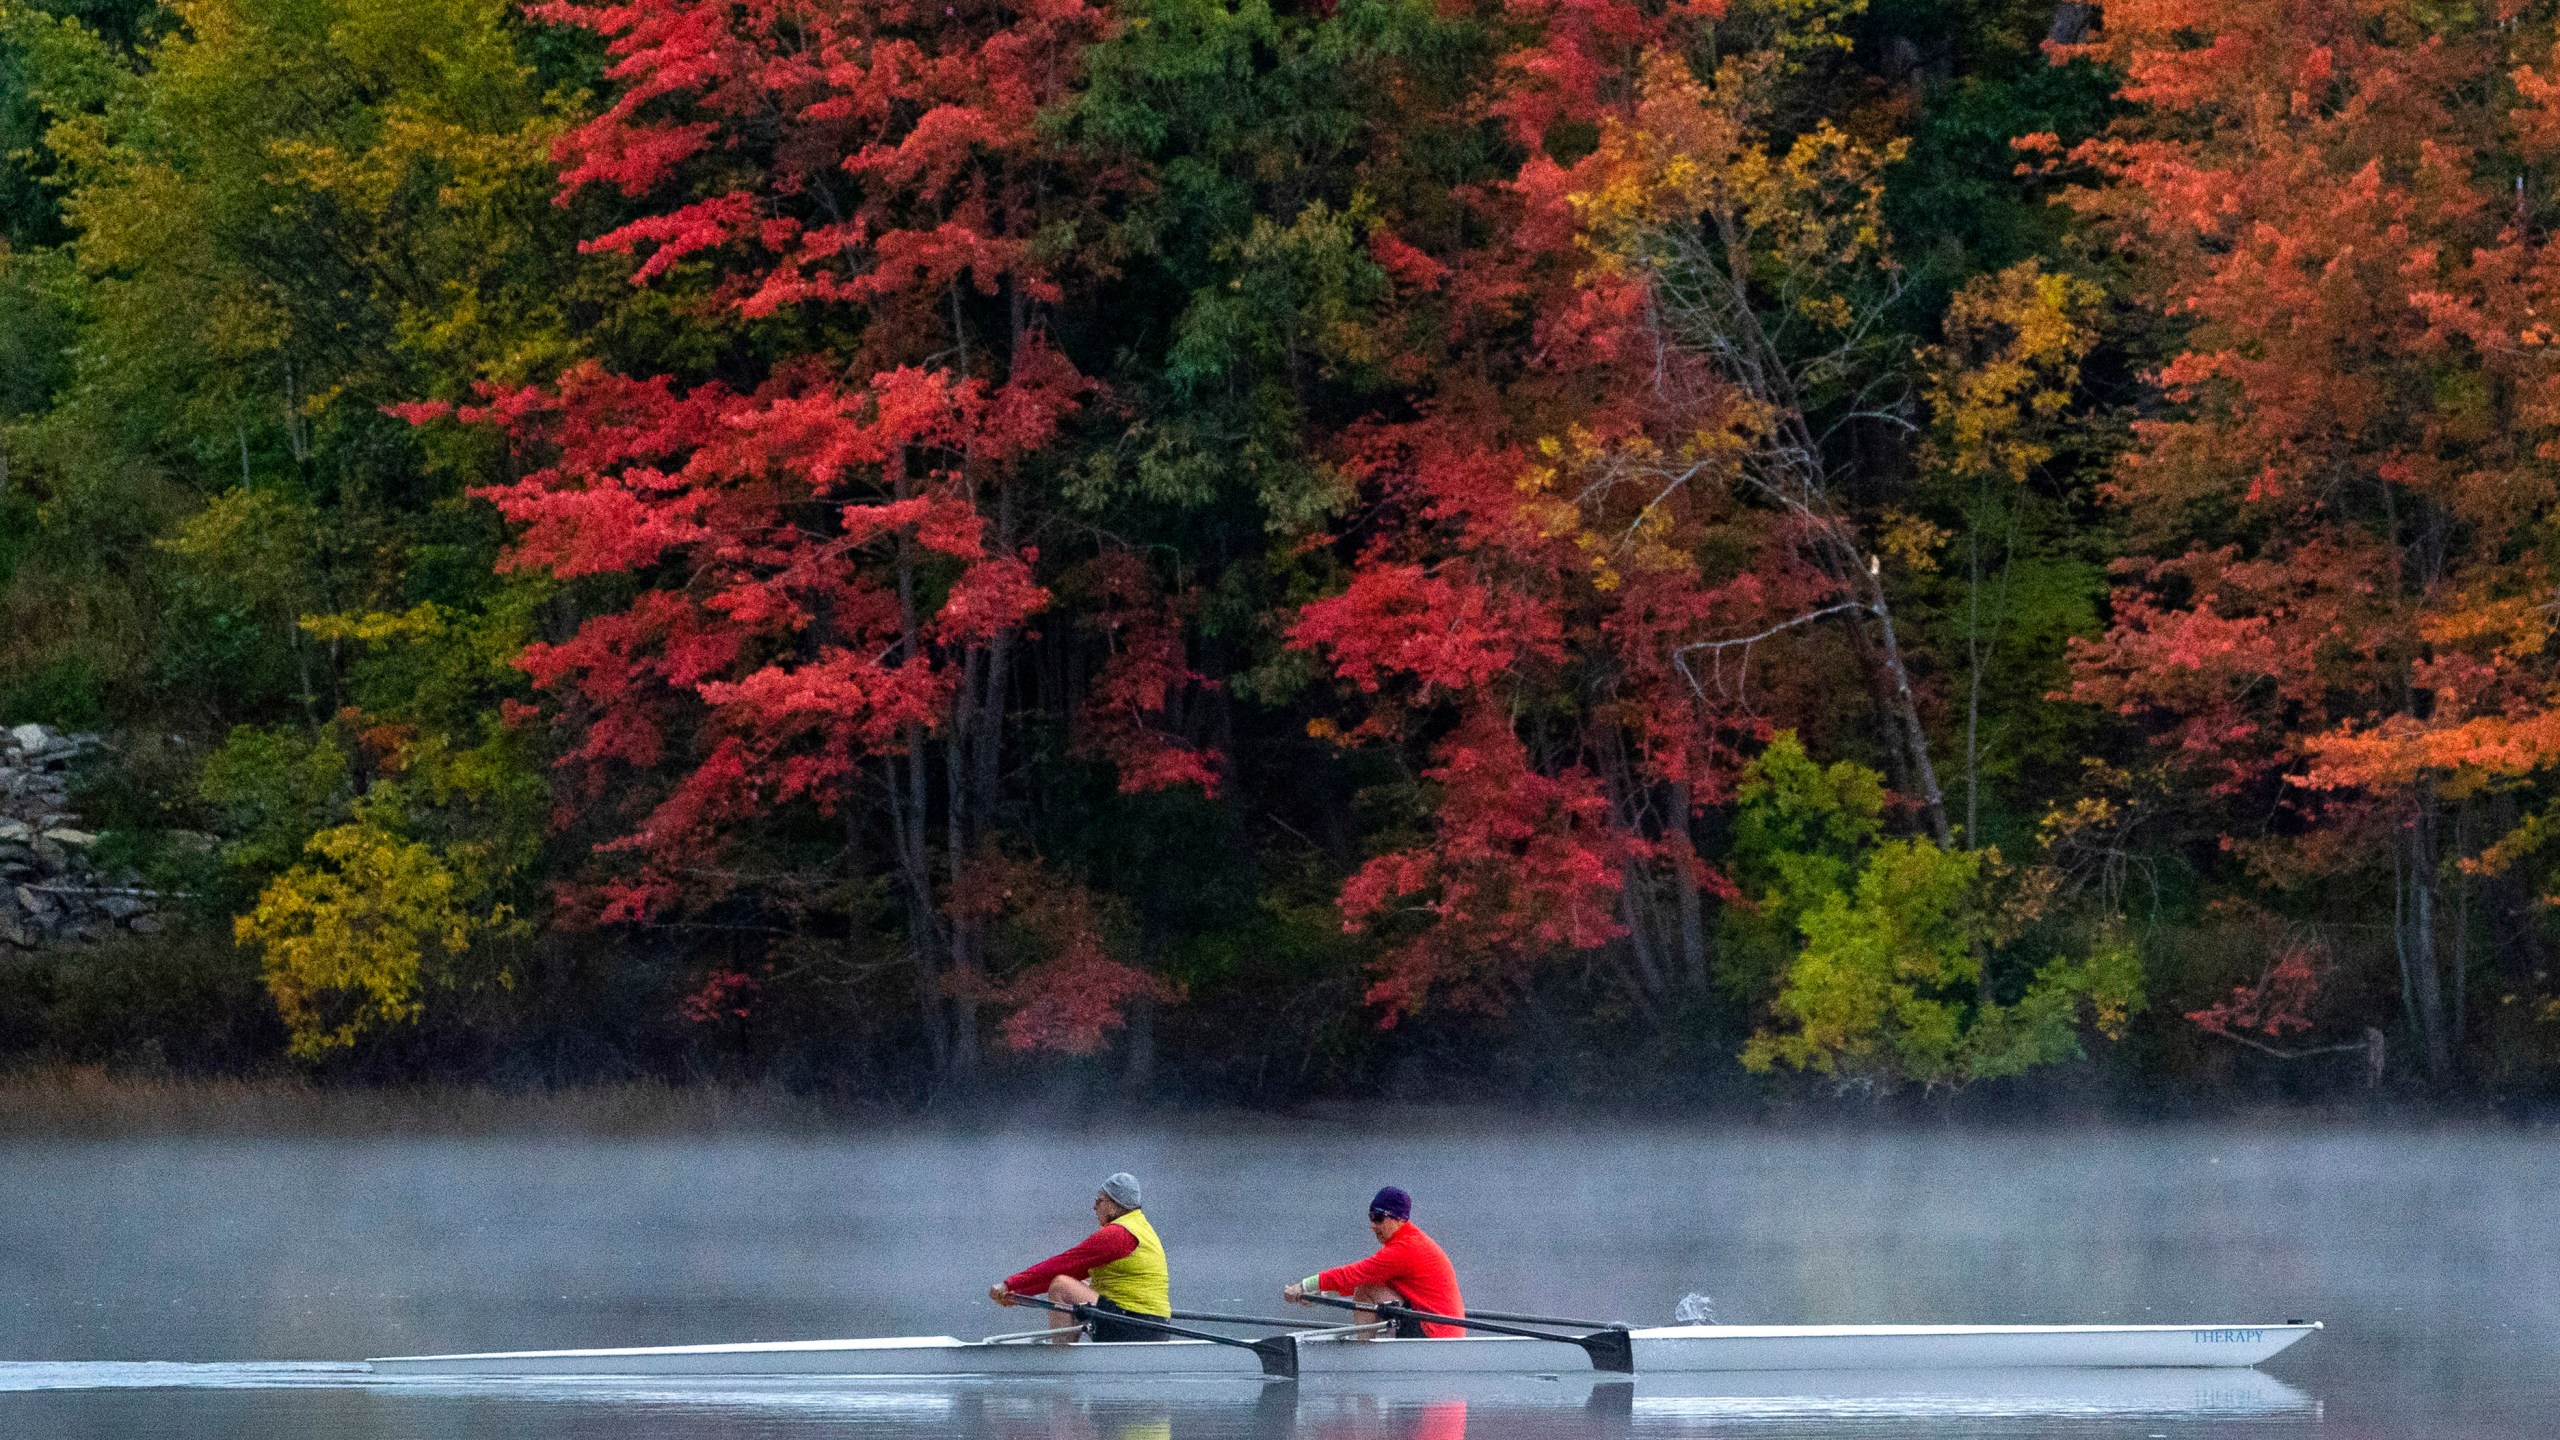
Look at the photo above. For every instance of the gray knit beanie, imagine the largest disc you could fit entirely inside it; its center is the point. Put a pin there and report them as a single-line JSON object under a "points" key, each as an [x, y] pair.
{"points": [[1123, 1190]]}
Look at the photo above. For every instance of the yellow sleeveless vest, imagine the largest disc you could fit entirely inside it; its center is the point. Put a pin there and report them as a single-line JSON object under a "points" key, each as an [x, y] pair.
{"points": [[1138, 1282]]}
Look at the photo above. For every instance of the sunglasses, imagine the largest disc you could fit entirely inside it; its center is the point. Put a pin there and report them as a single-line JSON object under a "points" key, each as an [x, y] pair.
{"points": [[1377, 1215]]}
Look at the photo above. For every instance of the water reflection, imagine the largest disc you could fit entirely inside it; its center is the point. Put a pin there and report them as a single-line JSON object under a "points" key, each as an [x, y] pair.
{"points": [[1392, 1409]]}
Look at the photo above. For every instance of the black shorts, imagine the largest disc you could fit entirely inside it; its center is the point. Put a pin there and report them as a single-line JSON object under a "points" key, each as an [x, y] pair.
{"points": [[1112, 1332]]}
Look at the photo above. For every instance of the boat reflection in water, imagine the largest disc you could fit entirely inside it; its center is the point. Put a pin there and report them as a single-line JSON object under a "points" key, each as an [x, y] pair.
{"points": [[346, 1402]]}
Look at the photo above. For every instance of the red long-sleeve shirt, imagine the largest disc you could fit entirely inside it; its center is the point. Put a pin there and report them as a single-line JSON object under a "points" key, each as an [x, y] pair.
{"points": [[1111, 1242], [1415, 1267]]}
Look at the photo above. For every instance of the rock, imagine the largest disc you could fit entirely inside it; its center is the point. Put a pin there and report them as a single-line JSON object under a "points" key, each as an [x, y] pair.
{"points": [[45, 868], [143, 925]]}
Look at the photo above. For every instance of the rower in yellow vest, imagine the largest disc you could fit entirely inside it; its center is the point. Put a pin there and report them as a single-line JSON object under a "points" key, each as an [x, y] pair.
{"points": [[1119, 1267]]}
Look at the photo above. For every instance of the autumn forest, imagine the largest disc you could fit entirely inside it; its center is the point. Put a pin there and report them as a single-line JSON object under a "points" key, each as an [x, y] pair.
{"points": [[1247, 551]]}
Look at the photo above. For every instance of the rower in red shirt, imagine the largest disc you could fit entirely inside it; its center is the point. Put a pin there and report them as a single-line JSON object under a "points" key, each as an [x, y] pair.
{"points": [[1409, 1269]]}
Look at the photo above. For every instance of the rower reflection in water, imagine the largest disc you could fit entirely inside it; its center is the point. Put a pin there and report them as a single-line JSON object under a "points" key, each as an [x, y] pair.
{"points": [[1120, 1268], [1409, 1268]]}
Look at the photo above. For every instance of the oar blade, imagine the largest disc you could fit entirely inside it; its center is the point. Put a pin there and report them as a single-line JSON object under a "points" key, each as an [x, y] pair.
{"points": [[1279, 1356], [1612, 1351]]}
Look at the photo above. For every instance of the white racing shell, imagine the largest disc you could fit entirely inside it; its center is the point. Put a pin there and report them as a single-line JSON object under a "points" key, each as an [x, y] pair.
{"points": [[1670, 1350]]}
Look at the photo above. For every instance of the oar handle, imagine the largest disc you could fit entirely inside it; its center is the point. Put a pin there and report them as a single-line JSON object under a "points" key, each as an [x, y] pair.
{"points": [[1278, 1353], [1610, 1348]]}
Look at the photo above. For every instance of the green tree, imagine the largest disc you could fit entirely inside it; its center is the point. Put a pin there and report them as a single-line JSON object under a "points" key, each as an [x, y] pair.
{"points": [[273, 221], [2004, 552], [1889, 984], [265, 221]]}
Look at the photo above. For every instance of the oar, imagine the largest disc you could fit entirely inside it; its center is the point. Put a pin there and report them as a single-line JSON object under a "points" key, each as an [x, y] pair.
{"points": [[1549, 1320], [1278, 1353], [1216, 1318], [1610, 1348]]}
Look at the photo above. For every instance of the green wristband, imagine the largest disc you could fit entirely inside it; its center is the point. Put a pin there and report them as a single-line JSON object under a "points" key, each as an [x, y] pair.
{"points": [[1308, 1286]]}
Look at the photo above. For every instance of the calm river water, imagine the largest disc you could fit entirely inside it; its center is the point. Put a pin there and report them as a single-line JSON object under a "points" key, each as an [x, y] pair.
{"points": [[183, 1287]]}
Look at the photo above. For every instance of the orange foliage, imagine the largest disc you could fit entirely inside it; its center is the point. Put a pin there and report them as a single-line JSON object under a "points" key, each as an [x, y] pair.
{"points": [[2341, 604]]}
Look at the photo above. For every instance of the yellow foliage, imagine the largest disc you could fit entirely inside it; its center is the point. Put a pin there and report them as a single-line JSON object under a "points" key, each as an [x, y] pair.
{"points": [[2008, 370], [1811, 27], [347, 937], [1695, 150], [253, 543], [2508, 627], [427, 621], [1912, 541]]}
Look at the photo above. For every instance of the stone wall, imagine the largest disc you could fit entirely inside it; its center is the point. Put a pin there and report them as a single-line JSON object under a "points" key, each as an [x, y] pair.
{"points": [[50, 890]]}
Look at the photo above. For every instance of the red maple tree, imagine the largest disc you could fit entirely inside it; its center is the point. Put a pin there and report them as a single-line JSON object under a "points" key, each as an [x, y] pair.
{"points": [[1531, 607], [831, 570]]}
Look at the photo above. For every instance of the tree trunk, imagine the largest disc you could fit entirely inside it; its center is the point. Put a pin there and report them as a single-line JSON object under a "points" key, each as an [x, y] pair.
{"points": [[1860, 577], [1138, 1071], [995, 679], [965, 968], [2461, 931], [1713, 315], [945, 1004], [1906, 739], [2517, 950], [1974, 659], [906, 833], [1644, 971], [2419, 963], [1905, 717], [1684, 888]]}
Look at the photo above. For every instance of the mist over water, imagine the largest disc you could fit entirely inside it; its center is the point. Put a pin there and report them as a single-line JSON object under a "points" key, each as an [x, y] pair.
{"points": [[2430, 1255]]}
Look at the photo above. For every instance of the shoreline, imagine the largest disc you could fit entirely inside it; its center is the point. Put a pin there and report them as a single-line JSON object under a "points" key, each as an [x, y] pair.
{"points": [[73, 1102], [90, 1102]]}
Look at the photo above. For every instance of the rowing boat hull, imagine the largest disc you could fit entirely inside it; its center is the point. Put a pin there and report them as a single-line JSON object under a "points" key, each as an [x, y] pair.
{"points": [[1686, 1349]]}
